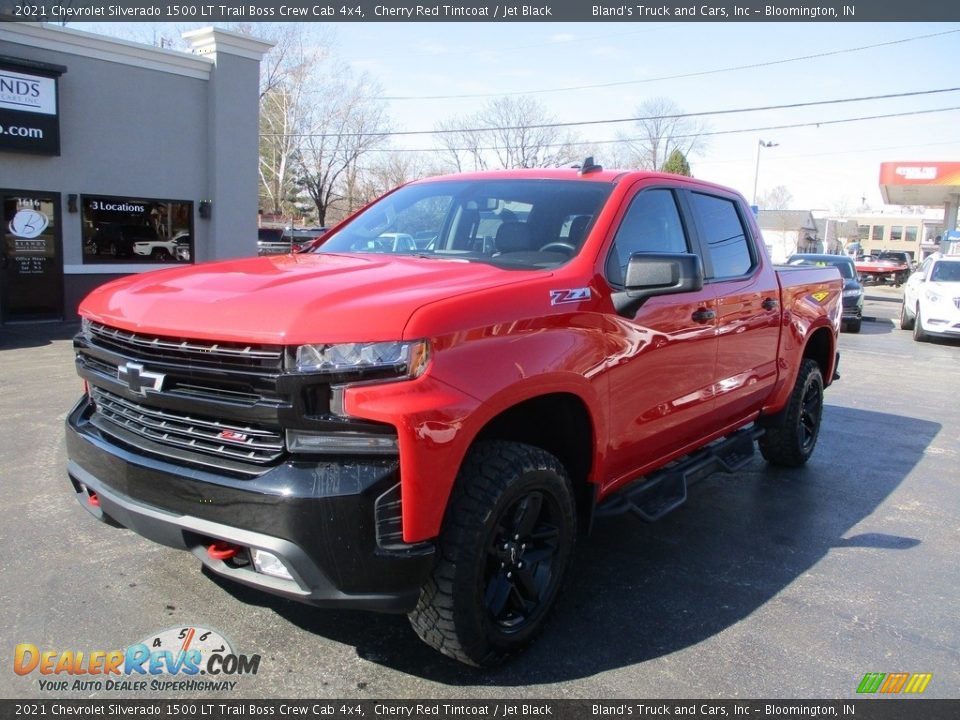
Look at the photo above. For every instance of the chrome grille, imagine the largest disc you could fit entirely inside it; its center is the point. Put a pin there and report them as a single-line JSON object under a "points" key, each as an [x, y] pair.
{"points": [[238, 441], [153, 347]]}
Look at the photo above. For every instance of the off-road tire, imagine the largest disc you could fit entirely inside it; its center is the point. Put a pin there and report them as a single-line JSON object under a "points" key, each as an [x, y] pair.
{"points": [[791, 435], [906, 319], [512, 503], [919, 334], [853, 326]]}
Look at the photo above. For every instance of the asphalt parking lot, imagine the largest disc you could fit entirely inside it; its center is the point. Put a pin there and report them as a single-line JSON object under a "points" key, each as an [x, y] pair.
{"points": [[770, 583]]}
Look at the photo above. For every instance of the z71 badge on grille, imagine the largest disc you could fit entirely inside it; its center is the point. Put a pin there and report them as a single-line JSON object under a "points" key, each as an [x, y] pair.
{"points": [[561, 297]]}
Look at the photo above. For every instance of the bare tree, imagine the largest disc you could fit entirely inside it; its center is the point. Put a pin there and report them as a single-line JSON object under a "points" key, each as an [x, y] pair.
{"points": [[508, 132], [777, 198], [286, 75], [659, 131], [461, 143], [385, 171], [343, 125]]}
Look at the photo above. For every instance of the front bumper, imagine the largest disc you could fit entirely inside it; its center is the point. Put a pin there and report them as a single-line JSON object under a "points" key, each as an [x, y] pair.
{"points": [[853, 308], [332, 521], [941, 318]]}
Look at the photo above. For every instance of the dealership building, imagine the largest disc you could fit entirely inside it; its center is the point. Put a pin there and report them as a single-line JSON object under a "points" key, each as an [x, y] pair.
{"points": [[118, 157]]}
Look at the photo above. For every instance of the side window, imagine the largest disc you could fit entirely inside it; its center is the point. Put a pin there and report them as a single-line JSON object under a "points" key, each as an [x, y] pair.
{"points": [[724, 235], [651, 224]]}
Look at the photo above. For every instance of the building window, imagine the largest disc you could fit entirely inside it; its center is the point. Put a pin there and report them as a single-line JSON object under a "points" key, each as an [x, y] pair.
{"points": [[123, 230], [896, 233], [911, 233], [877, 232], [864, 232]]}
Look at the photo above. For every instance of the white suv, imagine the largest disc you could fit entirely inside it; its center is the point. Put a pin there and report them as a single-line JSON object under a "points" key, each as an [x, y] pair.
{"points": [[931, 299]]}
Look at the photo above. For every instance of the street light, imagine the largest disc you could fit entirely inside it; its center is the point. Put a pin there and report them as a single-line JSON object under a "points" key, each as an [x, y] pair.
{"points": [[756, 171]]}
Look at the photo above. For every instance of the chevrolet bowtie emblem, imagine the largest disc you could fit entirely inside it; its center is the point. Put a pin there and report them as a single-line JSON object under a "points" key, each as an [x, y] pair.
{"points": [[138, 379]]}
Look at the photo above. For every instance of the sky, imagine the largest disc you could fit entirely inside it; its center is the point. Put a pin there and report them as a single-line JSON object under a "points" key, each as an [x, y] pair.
{"points": [[826, 166]]}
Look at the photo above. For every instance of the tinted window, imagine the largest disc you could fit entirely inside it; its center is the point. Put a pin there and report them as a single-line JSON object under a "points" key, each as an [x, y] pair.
{"points": [[725, 238], [651, 224], [946, 272]]}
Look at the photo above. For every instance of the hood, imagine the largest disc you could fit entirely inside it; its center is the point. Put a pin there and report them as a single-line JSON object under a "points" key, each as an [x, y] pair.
{"points": [[289, 299]]}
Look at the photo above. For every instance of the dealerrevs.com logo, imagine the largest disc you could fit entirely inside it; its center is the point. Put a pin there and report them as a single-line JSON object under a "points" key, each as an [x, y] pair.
{"points": [[188, 659]]}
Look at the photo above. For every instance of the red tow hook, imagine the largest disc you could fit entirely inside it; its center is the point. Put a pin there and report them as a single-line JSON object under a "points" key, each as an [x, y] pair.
{"points": [[93, 500], [222, 550]]}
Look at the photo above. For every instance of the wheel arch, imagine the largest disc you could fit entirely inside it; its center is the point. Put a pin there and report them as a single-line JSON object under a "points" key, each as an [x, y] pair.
{"points": [[559, 423], [821, 349]]}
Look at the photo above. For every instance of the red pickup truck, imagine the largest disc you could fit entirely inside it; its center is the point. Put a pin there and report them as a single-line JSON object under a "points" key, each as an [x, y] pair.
{"points": [[426, 427]]}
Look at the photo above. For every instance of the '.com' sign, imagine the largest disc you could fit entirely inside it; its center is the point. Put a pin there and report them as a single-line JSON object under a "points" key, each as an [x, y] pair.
{"points": [[29, 110], [184, 659]]}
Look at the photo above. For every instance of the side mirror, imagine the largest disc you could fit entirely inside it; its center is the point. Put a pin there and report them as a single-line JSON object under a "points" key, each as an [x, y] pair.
{"points": [[654, 274]]}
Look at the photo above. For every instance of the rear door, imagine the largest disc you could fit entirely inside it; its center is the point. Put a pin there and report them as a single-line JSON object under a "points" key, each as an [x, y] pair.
{"points": [[747, 303], [662, 360]]}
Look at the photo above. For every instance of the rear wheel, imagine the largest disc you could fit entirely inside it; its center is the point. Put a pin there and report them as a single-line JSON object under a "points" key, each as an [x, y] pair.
{"points": [[505, 544], [791, 435], [854, 325]]}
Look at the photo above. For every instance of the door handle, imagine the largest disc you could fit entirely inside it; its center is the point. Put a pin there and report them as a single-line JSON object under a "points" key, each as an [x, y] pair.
{"points": [[769, 304], [704, 316]]}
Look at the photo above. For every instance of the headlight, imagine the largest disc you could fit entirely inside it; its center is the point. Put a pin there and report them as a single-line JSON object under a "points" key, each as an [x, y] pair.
{"points": [[854, 292], [932, 296], [400, 358]]}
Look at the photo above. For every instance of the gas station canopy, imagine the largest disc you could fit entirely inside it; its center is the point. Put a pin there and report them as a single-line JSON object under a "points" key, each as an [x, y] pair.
{"points": [[933, 184]]}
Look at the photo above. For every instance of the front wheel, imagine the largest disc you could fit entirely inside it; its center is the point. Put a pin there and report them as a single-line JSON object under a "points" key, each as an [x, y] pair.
{"points": [[919, 334], [907, 319], [791, 434], [505, 544]]}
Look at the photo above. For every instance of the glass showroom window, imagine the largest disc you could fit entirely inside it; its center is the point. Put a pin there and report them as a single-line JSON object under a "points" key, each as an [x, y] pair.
{"points": [[124, 230]]}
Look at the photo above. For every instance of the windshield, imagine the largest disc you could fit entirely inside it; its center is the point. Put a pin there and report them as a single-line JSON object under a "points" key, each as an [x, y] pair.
{"points": [[509, 223], [946, 272], [844, 264]]}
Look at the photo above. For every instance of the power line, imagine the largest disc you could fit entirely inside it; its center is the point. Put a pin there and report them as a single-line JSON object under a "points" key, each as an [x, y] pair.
{"points": [[680, 137], [679, 76], [672, 116]]}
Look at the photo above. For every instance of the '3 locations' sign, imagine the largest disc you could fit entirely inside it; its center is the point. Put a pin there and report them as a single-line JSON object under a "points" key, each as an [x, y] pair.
{"points": [[29, 117]]}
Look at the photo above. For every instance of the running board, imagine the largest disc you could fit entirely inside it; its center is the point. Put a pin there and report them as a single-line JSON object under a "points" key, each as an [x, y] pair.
{"points": [[652, 496]]}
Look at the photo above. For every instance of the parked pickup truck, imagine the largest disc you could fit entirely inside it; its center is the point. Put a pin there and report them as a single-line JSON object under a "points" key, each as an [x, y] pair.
{"points": [[426, 430]]}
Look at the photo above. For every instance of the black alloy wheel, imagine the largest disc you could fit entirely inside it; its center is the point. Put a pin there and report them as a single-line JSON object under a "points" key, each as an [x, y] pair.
{"points": [[790, 436], [507, 537], [521, 561]]}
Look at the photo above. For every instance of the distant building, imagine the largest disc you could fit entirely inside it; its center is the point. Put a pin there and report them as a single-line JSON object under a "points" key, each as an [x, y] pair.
{"points": [[917, 234], [786, 232], [836, 234]]}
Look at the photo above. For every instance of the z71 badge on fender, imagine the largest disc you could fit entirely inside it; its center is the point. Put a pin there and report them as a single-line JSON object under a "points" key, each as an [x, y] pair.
{"points": [[561, 297]]}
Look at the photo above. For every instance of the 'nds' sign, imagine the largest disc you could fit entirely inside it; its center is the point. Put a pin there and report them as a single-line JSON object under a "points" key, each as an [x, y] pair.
{"points": [[29, 116]]}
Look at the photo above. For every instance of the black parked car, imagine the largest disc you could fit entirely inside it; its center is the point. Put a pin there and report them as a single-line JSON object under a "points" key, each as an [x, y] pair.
{"points": [[280, 241], [852, 288]]}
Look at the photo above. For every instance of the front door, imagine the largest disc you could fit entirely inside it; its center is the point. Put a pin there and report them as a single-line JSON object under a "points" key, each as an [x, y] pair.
{"points": [[31, 264]]}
